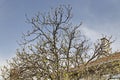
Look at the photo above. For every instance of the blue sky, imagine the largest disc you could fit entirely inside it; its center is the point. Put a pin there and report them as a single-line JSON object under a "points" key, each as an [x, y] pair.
{"points": [[98, 17]]}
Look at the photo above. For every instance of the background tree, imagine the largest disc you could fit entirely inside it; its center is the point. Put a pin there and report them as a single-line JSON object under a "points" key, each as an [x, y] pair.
{"points": [[52, 48]]}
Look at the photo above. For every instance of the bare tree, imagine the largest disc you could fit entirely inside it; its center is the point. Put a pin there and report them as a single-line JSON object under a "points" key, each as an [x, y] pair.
{"points": [[54, 47]]}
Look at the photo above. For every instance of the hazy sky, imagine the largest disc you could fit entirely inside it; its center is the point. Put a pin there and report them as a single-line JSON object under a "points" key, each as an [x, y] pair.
{"points": [[98, 17]]}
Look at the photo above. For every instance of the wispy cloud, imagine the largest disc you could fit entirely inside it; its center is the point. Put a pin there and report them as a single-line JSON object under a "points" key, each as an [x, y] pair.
{"points": [[90, 33], [94, 35]]}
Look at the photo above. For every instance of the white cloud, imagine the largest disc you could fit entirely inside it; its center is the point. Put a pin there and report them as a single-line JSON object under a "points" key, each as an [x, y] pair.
{"points": [[90, 33], [94, 35]]}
